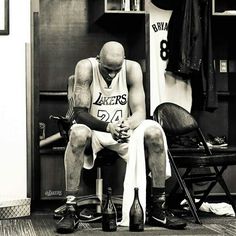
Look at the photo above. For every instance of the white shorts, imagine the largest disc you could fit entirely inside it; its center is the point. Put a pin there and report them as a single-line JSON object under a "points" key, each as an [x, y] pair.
{"points": [[99, 141], [104, 139]]}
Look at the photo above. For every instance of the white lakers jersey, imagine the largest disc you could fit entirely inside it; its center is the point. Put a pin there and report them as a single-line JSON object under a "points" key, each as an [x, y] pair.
{"points": [[109, 104]]}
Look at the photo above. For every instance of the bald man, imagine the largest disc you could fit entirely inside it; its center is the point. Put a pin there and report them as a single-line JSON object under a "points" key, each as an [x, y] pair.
{"points": [[109, 103]]}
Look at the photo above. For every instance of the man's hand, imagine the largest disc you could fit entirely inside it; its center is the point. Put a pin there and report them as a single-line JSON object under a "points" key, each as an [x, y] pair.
{"points": [[124, 131], [120, 131]]}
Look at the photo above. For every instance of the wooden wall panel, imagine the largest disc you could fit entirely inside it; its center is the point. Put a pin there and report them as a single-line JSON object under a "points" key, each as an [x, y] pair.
{"points": [[67, 35]]}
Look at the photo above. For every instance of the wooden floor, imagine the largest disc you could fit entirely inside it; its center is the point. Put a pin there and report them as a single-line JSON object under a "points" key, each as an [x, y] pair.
{"points": [[41, 224]]}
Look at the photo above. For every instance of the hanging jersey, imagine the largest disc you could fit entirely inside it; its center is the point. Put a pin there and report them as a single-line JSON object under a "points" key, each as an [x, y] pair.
{"points": [[109, 104], [158, 28], [178, 91], [164, 86]]}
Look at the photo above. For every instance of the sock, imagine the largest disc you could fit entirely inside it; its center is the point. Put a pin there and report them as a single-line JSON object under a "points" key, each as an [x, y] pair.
{"points": [[159, 197], [70, 199], [72, 192]]}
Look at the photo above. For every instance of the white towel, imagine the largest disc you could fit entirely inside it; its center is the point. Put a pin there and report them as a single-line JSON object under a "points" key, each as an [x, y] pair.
{"points": [[221, 208], [135, 175]]}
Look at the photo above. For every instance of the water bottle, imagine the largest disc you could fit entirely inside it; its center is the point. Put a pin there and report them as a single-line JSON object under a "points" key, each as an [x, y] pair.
{"points": [[136, 216], [109, 215]]}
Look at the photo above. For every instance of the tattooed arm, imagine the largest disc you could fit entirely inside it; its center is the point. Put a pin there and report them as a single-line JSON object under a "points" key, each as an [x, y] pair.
{"points": [[82, 97]]}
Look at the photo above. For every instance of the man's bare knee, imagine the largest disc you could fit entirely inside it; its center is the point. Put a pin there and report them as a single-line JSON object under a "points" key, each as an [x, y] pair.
{"points": [[79, 137], [153, 138]]}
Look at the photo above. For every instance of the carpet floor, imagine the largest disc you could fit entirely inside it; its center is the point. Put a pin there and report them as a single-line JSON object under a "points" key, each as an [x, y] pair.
{"points": [[41, 224]]}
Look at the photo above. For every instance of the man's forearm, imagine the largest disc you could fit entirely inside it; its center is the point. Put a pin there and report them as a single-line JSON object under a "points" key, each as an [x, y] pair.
{"points": [[82, 116], [135, 119]]}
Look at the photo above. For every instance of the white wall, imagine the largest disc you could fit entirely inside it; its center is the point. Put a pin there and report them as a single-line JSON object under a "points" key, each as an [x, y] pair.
{"points": [[13, 102]]}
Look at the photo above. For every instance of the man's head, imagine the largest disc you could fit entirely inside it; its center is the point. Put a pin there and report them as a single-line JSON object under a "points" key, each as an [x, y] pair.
{"points": [[111, 58]]}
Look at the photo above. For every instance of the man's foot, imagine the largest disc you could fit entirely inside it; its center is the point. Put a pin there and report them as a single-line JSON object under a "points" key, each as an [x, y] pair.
{"points": [[159, 217], [69, 221]]}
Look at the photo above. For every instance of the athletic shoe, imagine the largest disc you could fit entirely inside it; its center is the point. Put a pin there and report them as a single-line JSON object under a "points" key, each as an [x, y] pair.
{"points": [[159, 217], [60, 212], [215, 141], [85, 215], [69, 222]]}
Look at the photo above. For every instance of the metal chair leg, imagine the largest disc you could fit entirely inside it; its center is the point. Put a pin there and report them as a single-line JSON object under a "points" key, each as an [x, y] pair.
{"points": [[185, 189]]}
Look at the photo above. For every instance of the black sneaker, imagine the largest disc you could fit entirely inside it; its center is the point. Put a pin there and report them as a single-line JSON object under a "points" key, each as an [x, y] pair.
{"points": [[159, 217], [60, 212], [69, 221]]}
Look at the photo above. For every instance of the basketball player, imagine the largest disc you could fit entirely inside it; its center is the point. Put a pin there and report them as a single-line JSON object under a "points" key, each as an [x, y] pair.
{"points": [[109, 103]]}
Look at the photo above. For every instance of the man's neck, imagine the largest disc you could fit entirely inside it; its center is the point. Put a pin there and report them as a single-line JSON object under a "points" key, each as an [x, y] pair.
{"points": [[108, 82]]}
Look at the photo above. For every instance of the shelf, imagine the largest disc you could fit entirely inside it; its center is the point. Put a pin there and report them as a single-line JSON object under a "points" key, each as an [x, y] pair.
{"points": [[123, 5], [112, 9], [123, 12], [226, 13], [53, 94], [223, 8]]}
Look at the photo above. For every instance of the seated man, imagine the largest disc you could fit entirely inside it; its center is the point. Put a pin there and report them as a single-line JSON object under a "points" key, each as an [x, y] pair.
{"points": [[109, 103]]}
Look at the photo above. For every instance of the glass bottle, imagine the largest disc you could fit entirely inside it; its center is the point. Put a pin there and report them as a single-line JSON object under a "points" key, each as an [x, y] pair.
{"points": [[135, 5], [136, 216], [109, 215], [125, 5]]}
